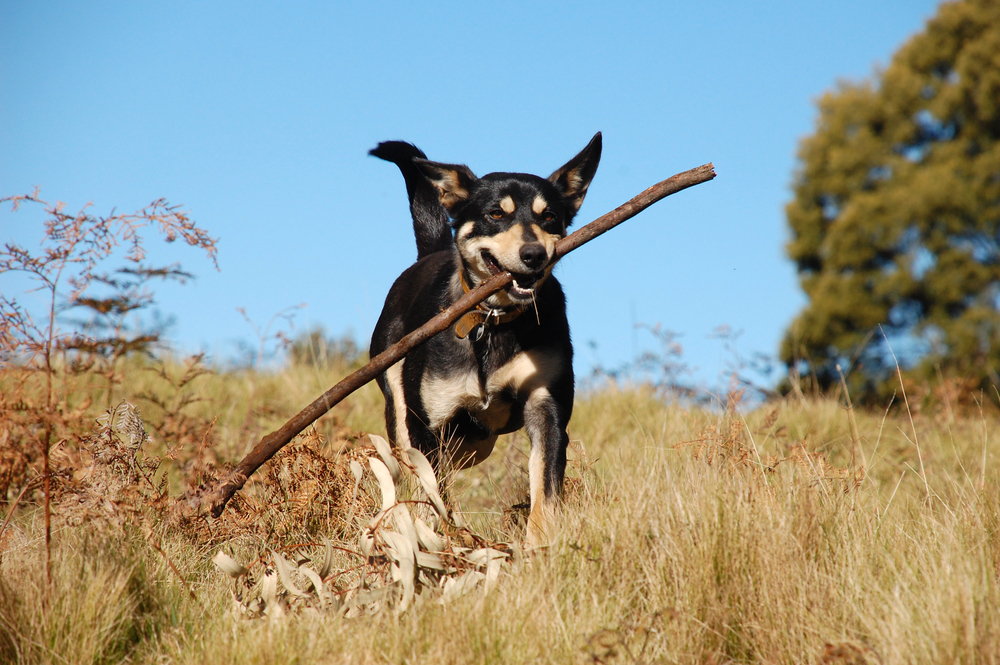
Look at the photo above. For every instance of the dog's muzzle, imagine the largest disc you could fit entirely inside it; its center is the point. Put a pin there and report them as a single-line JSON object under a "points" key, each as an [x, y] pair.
{"points": [[534, 257]]}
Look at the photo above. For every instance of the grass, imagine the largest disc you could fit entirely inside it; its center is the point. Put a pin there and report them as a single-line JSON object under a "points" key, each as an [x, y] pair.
{"points": [[686, 537]]}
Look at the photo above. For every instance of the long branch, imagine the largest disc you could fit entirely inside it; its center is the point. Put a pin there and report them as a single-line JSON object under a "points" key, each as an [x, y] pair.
{"points": [[268, 446]]}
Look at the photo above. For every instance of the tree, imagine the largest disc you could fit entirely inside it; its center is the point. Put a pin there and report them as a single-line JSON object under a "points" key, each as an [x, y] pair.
{"points": [[896, 216]]}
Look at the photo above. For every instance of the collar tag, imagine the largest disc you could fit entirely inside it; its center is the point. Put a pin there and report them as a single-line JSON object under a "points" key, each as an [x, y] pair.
{"points": [[482, 317], [468, 322]]}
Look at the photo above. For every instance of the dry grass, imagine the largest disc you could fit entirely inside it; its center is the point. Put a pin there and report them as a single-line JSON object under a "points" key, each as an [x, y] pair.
{"points": [[686, 536]]}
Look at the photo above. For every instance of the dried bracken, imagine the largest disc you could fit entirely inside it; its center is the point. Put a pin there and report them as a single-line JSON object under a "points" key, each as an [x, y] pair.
{"points": [[110, 478], [736, 451], [396, 539], [72, 249], [409, 551]]}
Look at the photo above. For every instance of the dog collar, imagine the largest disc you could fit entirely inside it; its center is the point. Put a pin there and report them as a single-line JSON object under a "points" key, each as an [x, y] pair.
{"points": [[482, 316]]}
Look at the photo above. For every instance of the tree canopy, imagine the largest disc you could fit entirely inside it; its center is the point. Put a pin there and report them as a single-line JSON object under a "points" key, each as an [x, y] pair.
{"points": [[895, 221]]}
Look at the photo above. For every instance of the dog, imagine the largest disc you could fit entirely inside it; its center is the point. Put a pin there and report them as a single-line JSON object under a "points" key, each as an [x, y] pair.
{"points": [[507, 364]]}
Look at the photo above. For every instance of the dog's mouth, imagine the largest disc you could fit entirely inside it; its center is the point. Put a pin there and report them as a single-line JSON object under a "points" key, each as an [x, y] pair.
{"points": [[523, 286]]}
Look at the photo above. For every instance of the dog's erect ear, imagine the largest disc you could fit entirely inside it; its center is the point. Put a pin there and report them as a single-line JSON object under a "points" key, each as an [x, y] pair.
{"points": [[575, 176], [452, 181]]}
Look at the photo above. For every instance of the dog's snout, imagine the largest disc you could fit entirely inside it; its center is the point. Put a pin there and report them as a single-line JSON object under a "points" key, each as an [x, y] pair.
{"points": [[533, 254]]}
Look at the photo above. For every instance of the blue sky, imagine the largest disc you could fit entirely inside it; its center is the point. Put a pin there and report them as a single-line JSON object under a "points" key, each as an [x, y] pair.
{"points": [[257, 117]]}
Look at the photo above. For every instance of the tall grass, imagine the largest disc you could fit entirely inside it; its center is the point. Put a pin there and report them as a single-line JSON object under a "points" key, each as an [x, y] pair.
{"points": [[686, 536]]}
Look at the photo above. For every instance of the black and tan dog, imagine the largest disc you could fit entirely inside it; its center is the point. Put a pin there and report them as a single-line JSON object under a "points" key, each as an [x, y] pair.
{"points": [[508, 364]]}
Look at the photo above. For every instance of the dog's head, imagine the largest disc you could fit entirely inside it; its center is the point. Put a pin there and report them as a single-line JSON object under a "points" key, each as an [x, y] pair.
{"points": [[511, 221]]}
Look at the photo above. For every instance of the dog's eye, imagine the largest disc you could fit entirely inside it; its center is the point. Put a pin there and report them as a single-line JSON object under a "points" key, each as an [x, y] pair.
{"points": [[496, 213], [548, 215]]}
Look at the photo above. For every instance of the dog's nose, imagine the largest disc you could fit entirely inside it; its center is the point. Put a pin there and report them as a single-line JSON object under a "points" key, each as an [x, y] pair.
{"points": [[533, 255]]}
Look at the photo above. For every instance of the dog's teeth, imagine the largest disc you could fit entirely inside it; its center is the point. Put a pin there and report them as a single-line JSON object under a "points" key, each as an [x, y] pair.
{"points": [[518, 287]]}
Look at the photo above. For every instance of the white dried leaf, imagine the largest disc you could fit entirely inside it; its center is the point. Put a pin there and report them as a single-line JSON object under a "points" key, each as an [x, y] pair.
{"points": [[493, 568], [490, 559], [385, 452], [385, 483], [286, 578], [482, 557], [363, 598], [397, 546], [429, 540], [401, 551], [430, 560], [404, 524], [255, 607], [459, 586], [318, 586], [227, 565], [425, 474], [357, 471], [327, 565], [367, 542], [269, 594]]}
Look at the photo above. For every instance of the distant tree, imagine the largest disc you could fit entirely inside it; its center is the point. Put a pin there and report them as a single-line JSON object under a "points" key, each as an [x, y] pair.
{"points": [[896, 217]]}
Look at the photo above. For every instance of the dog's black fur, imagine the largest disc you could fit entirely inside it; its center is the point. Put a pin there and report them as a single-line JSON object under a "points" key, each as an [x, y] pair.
{"points": [[452, 396]]}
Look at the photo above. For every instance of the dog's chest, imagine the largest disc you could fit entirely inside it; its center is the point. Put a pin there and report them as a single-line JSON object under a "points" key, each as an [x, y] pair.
{"points": [[490, 400]]}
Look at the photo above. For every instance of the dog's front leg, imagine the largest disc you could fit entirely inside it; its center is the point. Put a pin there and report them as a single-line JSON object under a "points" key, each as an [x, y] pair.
{"points": [[545, 420]]}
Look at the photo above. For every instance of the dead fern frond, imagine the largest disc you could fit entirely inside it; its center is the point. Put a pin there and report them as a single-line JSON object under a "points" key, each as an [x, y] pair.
{"points": [[409, 551]]}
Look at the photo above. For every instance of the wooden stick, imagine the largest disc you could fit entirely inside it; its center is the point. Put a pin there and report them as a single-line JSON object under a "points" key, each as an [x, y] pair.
{"points": [[267, 447]]}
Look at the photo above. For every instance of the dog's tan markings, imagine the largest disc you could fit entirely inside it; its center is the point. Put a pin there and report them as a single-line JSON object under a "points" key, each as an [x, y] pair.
{"points": [[448, 182], [548, 240], [573, 181], [525, 373], [452, 195], [575, 188], [464, 231], [505, 248], [507, 204], [539, 205], [444, 395], [394, 375]]}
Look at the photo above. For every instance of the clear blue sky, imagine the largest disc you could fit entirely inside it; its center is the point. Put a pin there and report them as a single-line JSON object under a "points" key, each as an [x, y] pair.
{"points": [[257, 117]]}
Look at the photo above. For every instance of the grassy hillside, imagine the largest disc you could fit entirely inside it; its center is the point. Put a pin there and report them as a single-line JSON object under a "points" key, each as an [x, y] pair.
{"points": [[686, 536]]}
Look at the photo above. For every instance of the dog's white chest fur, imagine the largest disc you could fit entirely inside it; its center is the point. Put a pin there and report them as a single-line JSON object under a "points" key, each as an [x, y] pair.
{"points": [[489, 404]]}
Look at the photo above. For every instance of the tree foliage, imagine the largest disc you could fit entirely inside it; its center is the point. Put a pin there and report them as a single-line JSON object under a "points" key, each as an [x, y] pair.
{"points": [[896, 216]]}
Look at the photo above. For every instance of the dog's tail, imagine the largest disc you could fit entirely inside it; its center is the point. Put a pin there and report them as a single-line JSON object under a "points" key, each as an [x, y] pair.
{"points": [[430, 219]]}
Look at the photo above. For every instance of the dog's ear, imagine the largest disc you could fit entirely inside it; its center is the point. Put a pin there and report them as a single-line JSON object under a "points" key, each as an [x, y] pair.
{"points": [[575, 176], [452, 181]]}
